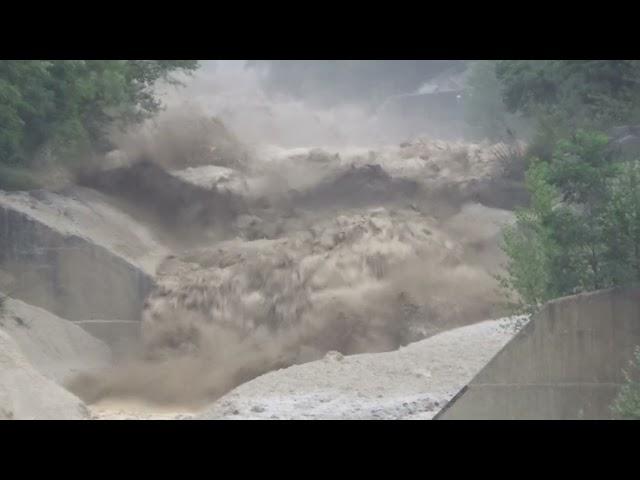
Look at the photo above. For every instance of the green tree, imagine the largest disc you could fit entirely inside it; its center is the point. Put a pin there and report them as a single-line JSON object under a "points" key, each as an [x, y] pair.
{"points": [[484, 108], [621, 226], [627, 403], [574, 93], [582, 229], [529, 245], [66, 107], [563, 96], [590, 238]]}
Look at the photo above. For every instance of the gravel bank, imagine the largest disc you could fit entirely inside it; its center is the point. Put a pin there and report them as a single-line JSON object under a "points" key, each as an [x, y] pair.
{"points": [[411, 383]]}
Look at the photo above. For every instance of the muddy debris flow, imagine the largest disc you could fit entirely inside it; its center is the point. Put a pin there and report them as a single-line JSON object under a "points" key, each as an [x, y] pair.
{"points": [[301, 252]]}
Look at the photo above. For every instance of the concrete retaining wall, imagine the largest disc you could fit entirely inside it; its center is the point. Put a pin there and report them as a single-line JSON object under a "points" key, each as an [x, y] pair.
{"points": [[118, 334], [66, 274], [565, 364]]}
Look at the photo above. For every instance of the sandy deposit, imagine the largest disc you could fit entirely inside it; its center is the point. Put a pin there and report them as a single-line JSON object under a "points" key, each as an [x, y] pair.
{"points": [[56, 347], [413, 382], [132, 409], [39, 352], [26, 394]]}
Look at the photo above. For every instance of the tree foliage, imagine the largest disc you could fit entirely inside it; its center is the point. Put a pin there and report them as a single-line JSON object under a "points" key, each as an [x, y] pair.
{"points": [[590, 94], [582, 229], [627, 403], [528, 245], [66, 107], [484, 109]]}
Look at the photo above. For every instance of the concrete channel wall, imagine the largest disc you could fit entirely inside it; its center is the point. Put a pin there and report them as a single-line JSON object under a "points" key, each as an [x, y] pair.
{"points": [[66, 274], [567, 363], [119, 335]]}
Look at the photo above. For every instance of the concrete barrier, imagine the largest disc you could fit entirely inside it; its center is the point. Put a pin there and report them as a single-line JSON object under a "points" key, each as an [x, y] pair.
{"points": [[120, 335], [566, 363], [68, 274]]}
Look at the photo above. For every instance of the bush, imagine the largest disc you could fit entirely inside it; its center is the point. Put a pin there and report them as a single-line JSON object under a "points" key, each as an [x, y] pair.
{"points": [[16, 178], [528, 246], [627, 403], [484, 110]]}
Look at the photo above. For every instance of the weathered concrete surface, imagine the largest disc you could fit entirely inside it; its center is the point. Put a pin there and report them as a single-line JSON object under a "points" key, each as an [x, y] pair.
{"points": [[75, 255], [54, 346], [565, 364], [26, 394], [118, 334]]}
